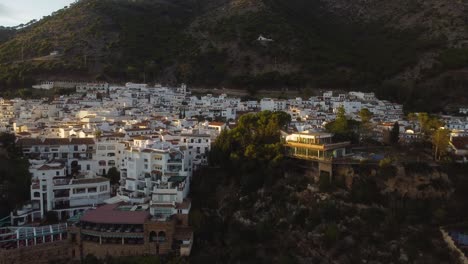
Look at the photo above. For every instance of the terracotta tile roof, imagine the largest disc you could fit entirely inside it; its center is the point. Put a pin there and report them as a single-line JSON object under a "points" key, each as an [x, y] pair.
{"points": [[55, 141], [110, 214], [82, 141], [137, 129], [460, 142], [47, 167], [141, 138], [216, 124], [29, 141]]}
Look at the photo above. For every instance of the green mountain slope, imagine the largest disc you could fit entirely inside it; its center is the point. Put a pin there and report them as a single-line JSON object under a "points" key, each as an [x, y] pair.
{"points": [[401, 50]]}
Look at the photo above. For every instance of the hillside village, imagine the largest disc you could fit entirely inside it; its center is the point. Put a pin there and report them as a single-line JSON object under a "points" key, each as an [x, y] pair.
{"points": [[130, 152]]}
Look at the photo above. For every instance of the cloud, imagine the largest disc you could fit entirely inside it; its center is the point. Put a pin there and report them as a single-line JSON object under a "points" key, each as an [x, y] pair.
{"points": [[5, 11], [8, 16]]}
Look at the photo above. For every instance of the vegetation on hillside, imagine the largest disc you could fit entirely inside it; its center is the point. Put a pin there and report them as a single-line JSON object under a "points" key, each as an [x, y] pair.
{"points": [[213, 42], [15, 179], [255, 206]]}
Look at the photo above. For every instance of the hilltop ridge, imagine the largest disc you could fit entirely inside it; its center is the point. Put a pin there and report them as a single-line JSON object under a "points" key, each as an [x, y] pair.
{"points": [[403, 51]]}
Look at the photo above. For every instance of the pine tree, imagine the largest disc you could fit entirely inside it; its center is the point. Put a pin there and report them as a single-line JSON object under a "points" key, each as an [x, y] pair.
{"points": [[395, 134]]}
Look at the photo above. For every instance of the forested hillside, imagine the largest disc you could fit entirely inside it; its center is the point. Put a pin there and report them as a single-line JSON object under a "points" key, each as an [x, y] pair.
{"points": [[410, 52]]}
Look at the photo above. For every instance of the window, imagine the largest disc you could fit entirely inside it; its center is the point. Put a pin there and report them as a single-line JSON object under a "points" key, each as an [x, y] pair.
{"points": [[75, 148], [57, 173], [79, 190], [158, 157], [103, 188], [64, 155], [92, 190], [88, 167], [199, 140], [37, 194]]}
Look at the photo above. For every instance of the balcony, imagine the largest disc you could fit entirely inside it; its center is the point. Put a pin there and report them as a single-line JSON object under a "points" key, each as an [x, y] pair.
{"points": [[61, 182], [324, 147]]}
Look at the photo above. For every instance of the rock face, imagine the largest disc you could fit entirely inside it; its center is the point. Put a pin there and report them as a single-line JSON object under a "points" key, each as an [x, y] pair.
{"points": [[426, 184], [419, 185]]}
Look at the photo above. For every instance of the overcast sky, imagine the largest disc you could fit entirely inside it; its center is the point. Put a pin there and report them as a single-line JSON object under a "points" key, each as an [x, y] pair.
{"points": [[15, 12]]}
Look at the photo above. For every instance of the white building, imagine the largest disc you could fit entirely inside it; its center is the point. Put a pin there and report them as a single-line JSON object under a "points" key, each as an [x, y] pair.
{"points": [[54, 191], [156, 172], [198, 146]]}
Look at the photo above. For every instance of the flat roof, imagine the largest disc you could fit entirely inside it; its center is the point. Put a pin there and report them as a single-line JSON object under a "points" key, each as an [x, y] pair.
{"points": [[111, 214], [92, 180]]}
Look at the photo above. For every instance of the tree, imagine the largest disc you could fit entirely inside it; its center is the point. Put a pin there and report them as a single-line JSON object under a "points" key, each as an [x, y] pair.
{"points": [[440, 142], [113, 175], [341, 122], [14, 174], [412, 117], [252, 149], [428, 124], [395, 134], [97, 133], [342, 128], [365, 115]]}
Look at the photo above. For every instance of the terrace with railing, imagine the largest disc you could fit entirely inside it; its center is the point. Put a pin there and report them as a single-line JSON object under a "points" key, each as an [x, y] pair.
{"points": [[18, 237]]}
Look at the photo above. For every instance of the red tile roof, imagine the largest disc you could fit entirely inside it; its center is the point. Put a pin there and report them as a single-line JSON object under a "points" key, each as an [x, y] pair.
{"points": [[55, 141], [215, 123], [110, 214]]}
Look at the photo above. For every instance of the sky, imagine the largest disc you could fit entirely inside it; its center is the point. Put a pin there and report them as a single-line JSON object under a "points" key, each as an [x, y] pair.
{"points": [[15, 12]]}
